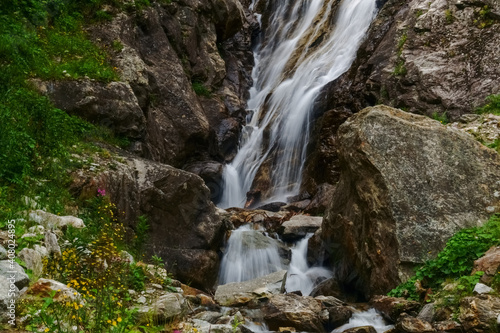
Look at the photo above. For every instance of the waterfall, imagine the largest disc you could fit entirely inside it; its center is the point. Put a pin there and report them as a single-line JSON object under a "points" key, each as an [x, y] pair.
{"points": [[249, 255], [300, 276], [307, 44], [366, 318]]}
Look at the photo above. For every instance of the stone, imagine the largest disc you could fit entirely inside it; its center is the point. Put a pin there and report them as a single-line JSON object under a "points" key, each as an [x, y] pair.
{"points": [[240, 293], [485, 128], [339, 315], [481, 288], [329, 287], [427, 312], [50, 221], [166, 307], [361, 329], [3, 253], [208, 316], [489, 263], [301, 313], [14, 272], [127, 257], [392, 307], [408, 184], [299, 226], [43, 288], [408, 324], [320, 201], [448, 326], [211, 173], [51, 243], [9, 293], [479, 313], [184, 226], [33, 260], [37, 229], [112, 105], [401, 62]]}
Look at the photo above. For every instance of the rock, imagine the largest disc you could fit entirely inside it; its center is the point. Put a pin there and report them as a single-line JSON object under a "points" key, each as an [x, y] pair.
{"points": [[301, 313], [43, 288], [329, 301], [427, 313], [361, 329], [211, 173], [37, 229], [9, 293], [329, 287], [33, 260], [481, 288], [127, 257], [208, 316], [167, 307], [272, 207], [485, 128], [339, 315], [240, 293], [408, 184], [183, 224], [489, 263], [448, 326], [112, 105], [392, 307], [51, 243], [401, 62], [408, 324], [14, 273], [320, 201], [299, 226], [206, 327], [50, 221], [3, 253], [479, 313]]}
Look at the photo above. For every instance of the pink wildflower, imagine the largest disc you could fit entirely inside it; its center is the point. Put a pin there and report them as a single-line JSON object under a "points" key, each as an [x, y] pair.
{"points": [[101, 192]]}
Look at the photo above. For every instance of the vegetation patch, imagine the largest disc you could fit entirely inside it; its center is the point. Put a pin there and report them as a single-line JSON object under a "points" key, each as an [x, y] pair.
{"points": [[492, 105], [454, 263]]}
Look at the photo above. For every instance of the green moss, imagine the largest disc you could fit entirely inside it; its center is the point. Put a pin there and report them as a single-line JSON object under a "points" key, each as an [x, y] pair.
{"points": [[200, 89]]}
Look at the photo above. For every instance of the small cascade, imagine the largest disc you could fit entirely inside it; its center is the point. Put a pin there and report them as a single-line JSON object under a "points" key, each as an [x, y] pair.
{"points": [[249, 255], [366, 318], [300, 276], [307, 44]]}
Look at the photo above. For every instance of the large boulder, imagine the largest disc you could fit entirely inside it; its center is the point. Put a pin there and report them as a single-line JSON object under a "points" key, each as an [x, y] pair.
{"points": [[302, 313], [184, 228], [408, 183], [480, 313]]}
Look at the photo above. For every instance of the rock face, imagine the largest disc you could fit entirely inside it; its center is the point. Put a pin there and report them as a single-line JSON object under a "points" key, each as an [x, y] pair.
{"points": [[408, 183], [392, 307], [299, 226], [240, 293], [426, 57], [185, 229], [489, 263], [479, 314], [301, 313]]}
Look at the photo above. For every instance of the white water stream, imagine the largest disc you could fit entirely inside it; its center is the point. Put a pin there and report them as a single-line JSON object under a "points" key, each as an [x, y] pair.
{"points": [[307, 44]]}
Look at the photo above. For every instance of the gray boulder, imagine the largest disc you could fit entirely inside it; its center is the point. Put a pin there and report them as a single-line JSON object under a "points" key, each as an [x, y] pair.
{"points": [[14, 272], [408, 183], [240, 293], [299, 226]]}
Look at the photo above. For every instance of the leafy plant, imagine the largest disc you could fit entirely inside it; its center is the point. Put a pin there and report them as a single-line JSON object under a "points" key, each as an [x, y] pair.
{"points": [[200, 89], [449, 16], [441, 117], [492, 105], [456, 259]]}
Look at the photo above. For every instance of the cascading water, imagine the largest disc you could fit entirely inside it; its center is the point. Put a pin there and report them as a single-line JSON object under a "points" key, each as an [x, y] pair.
{"points": [[307, 44], [249, 255]]}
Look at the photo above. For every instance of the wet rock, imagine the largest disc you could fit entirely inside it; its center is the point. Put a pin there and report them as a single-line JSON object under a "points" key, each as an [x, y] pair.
{"points": [[297, 206], [361, 329], [489, 263], [167, 307], [211, 173], [272, 207], [338, 315], [479, 313], [301, 313], [320, 201], [240, 293], [329, 287], [14, 273], [392, 307], [408, 324], [408, 184], [49, 221], [208, 316], [427, 313], [403, 64], [299, 226]]}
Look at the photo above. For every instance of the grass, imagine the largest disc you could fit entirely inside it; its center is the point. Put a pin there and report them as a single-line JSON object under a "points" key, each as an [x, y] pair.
{"points": [[200, 89], [492, 105]]}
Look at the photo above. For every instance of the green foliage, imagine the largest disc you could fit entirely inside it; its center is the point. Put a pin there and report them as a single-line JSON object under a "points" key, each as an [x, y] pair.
{"points": [[456, 259], [441, 117], [200, 89], [448, 15], [137, 277], [400, 68], [492, 105], [484, 19], [141, 233]]}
